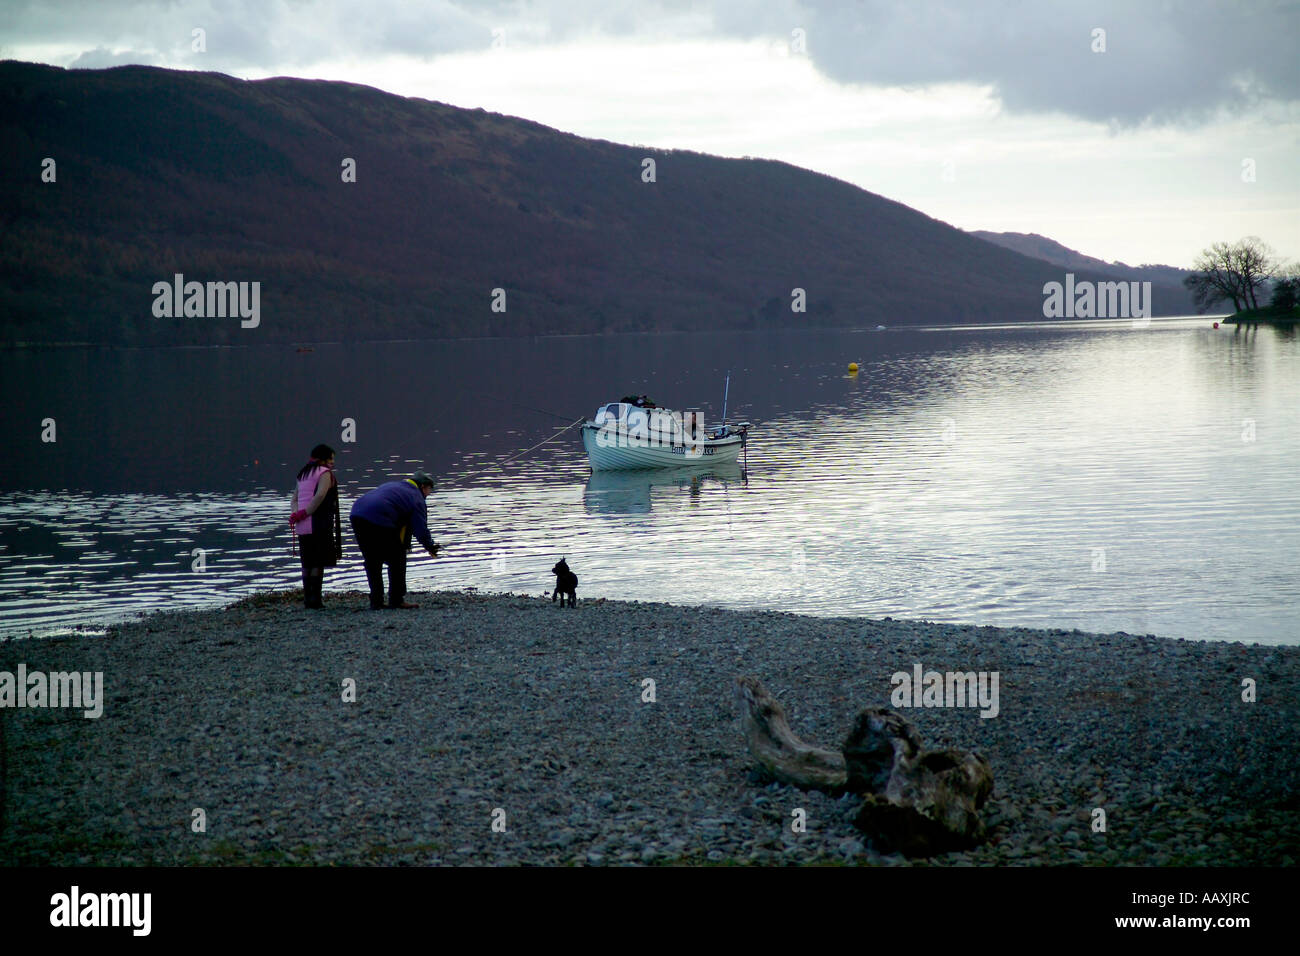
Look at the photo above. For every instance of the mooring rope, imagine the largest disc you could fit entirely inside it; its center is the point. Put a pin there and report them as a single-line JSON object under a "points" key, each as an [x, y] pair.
{"points": [[502, 464]]}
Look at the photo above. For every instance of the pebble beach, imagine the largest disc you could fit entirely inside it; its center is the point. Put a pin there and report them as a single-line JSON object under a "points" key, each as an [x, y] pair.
{"points": [[491, 729]]}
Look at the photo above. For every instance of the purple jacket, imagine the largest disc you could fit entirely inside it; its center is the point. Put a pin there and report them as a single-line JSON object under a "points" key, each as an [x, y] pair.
{"points": [[397, 504]]}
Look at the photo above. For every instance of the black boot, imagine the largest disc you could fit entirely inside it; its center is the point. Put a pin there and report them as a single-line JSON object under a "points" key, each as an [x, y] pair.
{"points": [[315, 584], [306, 587]]}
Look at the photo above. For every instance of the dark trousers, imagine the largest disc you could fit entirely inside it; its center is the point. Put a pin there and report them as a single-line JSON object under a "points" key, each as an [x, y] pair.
{"points": [[380, 546]]}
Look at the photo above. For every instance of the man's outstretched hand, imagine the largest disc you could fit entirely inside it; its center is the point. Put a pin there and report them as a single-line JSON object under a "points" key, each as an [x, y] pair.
{"points": [[433, 551]]}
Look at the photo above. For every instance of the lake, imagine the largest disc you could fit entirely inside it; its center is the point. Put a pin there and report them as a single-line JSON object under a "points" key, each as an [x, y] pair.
{"points": [[1088, 475]]}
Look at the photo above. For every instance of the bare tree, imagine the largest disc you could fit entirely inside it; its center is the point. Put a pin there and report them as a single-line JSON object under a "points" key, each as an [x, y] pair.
{"points": [[1215, 280], [1255, 262], [1233, 271]]}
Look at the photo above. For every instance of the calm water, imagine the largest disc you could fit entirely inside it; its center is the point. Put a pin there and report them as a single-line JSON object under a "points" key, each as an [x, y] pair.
{"points": [[1090, 476]]}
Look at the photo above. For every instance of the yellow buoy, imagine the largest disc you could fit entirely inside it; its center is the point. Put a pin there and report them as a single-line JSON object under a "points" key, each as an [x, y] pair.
{"points": [[853, 368]]}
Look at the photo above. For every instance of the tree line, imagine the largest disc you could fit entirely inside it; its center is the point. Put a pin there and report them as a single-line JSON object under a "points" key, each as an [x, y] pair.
{"points": [[1240, 272]]}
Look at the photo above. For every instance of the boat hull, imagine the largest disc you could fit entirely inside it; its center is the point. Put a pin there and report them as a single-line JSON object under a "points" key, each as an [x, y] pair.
{"points": [[611, 450]]}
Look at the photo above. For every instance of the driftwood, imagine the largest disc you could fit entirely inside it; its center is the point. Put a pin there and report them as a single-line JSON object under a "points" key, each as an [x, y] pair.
{"points": [[915, 801], [774, 744]]}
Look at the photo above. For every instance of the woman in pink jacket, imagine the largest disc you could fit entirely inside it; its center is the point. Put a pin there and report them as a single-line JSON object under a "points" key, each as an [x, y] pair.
{"points": [[315, 518]]}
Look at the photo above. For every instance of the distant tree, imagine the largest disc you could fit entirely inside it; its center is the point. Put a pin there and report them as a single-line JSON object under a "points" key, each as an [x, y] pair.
{"points": [[1234, 271], [1286, 291]]}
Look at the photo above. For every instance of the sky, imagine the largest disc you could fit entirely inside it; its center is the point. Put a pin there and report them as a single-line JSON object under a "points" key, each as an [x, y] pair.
{"points": [[1135, 130]]}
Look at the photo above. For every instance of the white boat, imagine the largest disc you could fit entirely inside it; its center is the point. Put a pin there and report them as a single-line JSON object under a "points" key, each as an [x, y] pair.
{"points": [[623, 435]]}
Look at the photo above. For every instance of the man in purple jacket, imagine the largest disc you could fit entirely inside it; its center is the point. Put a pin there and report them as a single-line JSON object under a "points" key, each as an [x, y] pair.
{"points": [[384, 520]]}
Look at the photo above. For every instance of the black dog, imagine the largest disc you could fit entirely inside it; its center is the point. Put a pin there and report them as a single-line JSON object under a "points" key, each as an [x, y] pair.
{"points": [[566, 583]]}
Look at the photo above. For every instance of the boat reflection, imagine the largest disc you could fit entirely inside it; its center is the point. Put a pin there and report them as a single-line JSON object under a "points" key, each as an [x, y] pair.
{"points": [[628, 492]]}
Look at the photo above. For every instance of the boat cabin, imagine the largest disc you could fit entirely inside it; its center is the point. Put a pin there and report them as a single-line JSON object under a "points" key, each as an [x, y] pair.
{"points": [[667, 426]]}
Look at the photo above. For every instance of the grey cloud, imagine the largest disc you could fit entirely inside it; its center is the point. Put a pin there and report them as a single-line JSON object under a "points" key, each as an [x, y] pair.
{"points": [[101, 58], [428, 31], [1177, 61]]}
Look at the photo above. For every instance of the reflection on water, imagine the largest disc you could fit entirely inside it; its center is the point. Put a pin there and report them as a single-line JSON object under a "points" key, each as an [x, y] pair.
{"points": [[628, 492], [1105, 478]]}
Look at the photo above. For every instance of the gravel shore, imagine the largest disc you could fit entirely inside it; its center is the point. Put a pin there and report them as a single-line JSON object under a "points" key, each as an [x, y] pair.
{"points": [[475, 704]]}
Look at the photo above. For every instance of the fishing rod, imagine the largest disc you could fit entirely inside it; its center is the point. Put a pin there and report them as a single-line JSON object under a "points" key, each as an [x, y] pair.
{"points": [[744, 430]]}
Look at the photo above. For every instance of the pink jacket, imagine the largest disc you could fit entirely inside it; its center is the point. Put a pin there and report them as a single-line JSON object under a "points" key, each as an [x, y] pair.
{"points": [[306, 492]]}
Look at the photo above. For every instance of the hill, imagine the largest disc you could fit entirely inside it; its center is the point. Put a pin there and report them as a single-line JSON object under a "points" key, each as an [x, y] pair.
{"points": [[1049, 250], [161, 172]]}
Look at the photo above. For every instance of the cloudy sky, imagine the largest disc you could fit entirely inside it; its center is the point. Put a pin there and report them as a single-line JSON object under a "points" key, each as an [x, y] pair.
{"points": [[1135, 130]]}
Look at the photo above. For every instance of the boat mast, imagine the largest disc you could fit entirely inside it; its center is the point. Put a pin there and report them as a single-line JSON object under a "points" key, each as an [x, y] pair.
{"points": [[725, 391]]}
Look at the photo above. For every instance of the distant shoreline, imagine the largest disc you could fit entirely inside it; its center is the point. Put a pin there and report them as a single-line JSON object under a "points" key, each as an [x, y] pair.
{"points": [[474, 703], [1029, 324], [1265, 316]]}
